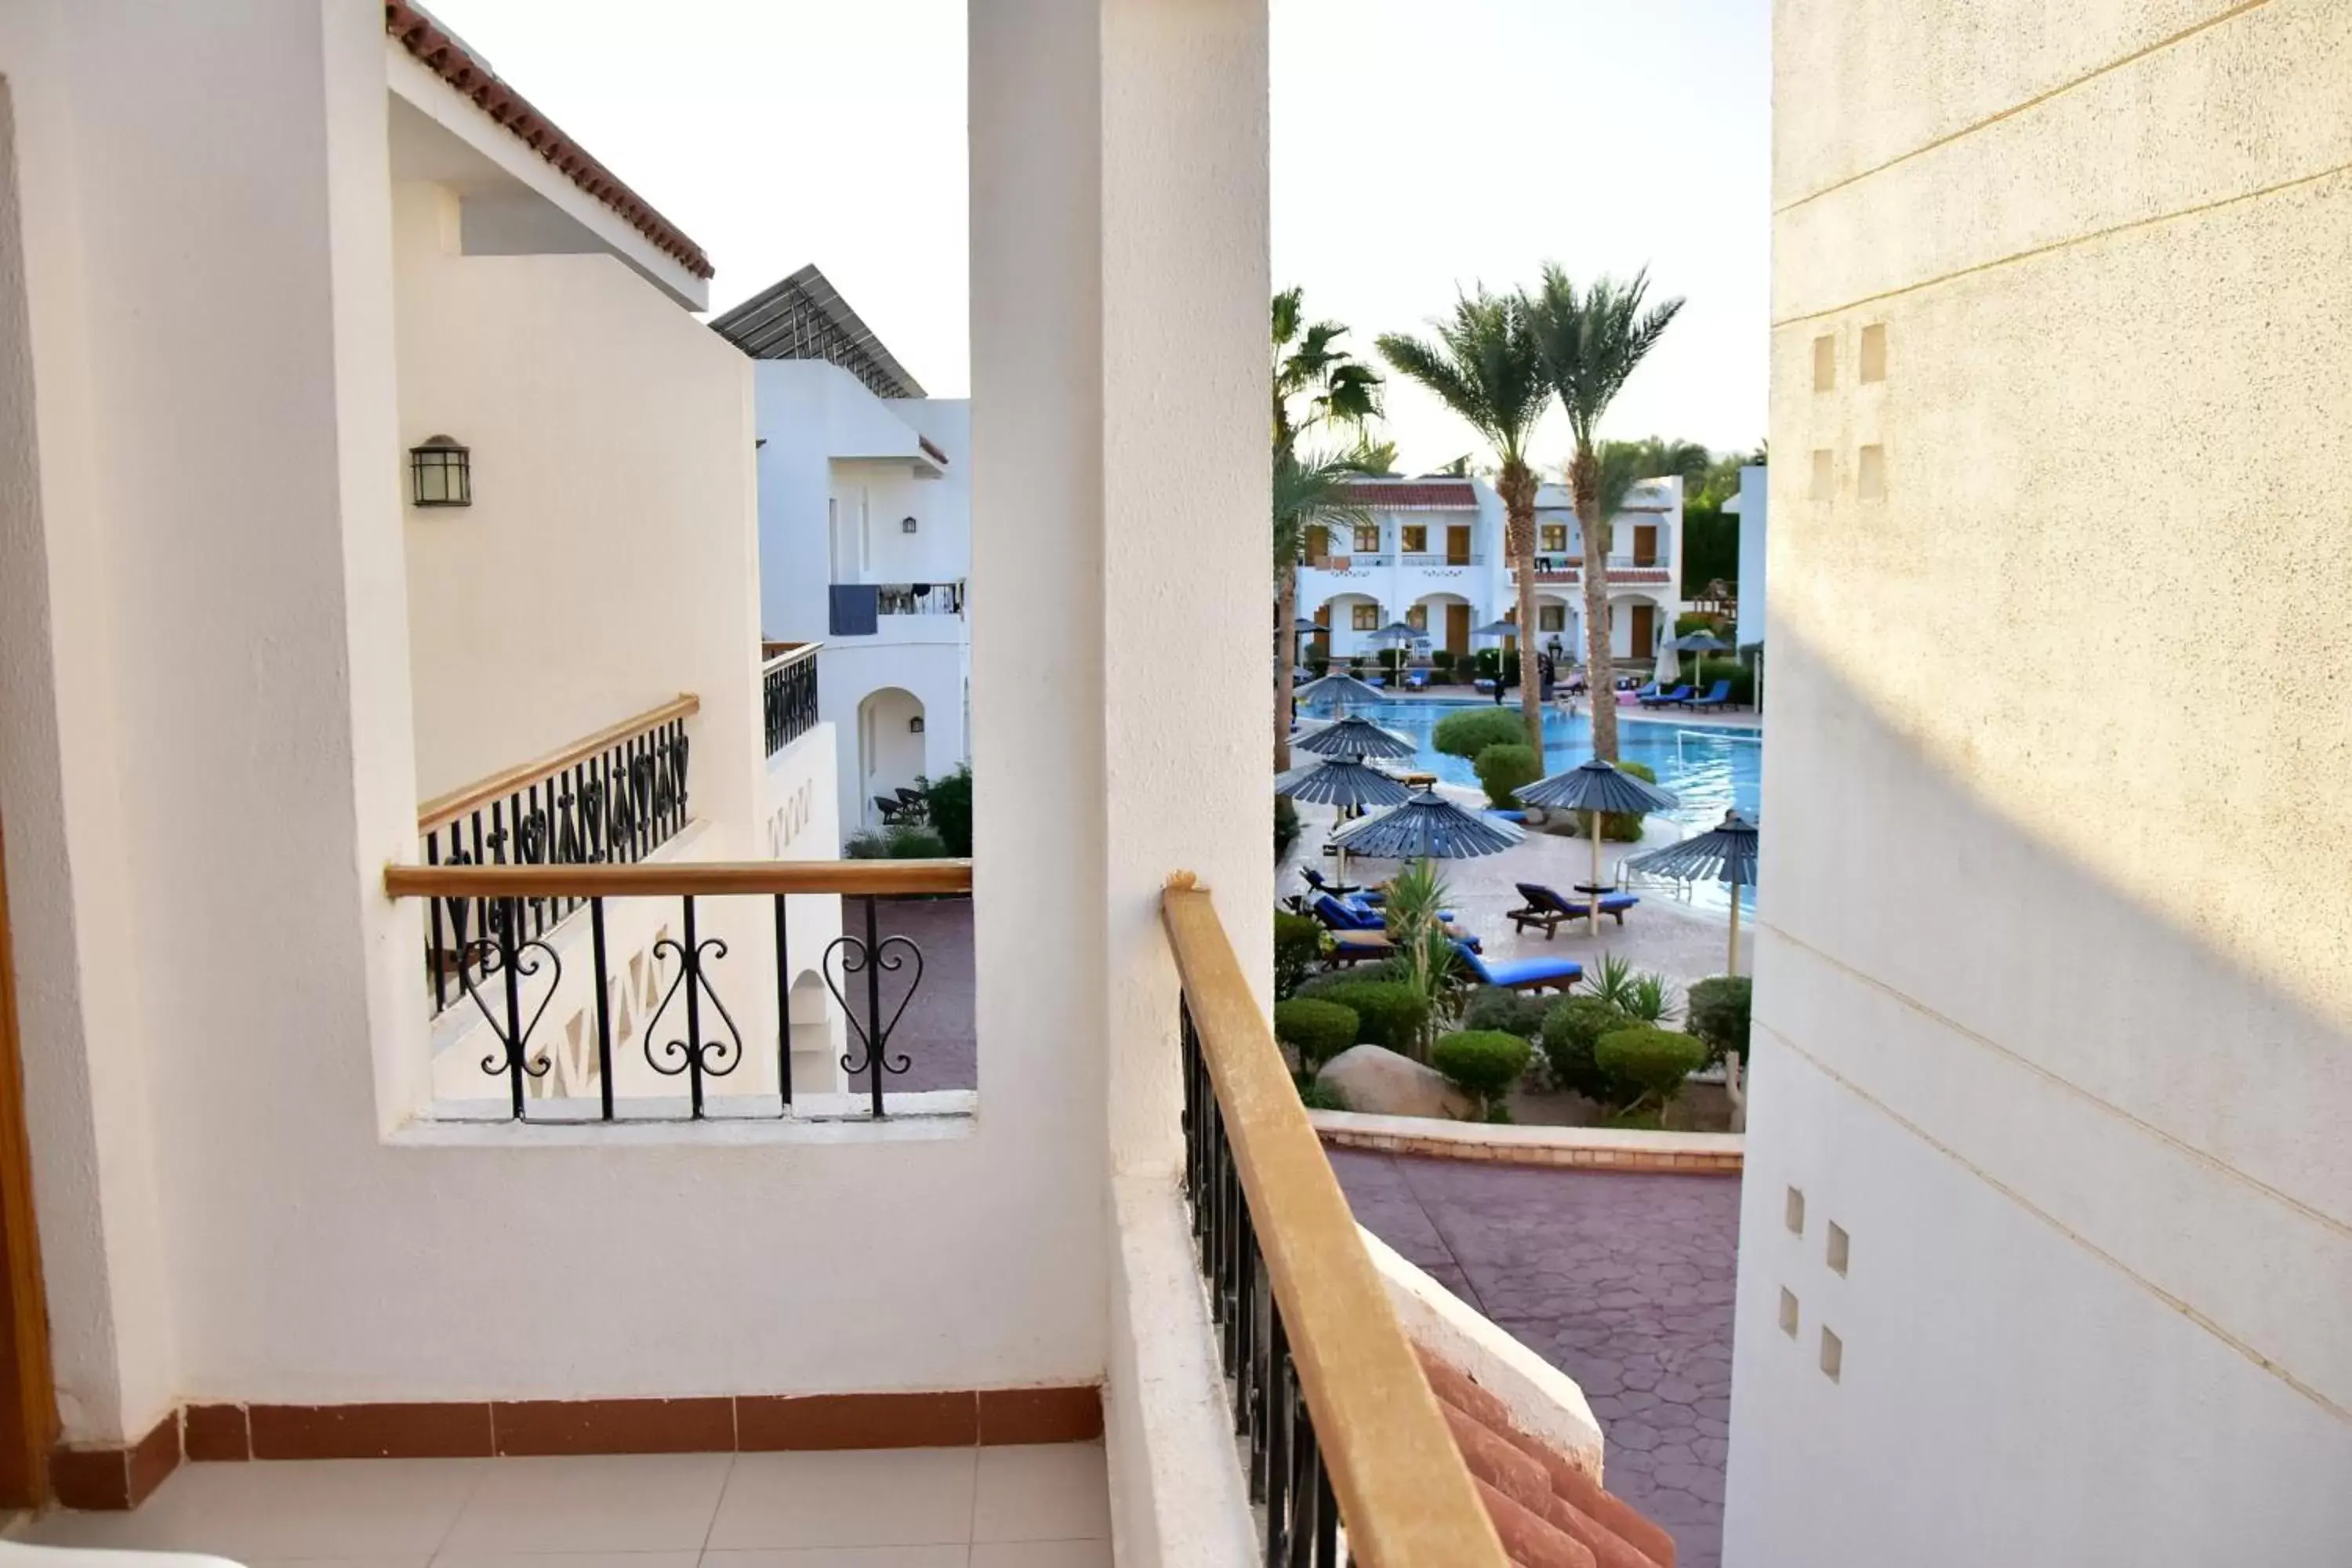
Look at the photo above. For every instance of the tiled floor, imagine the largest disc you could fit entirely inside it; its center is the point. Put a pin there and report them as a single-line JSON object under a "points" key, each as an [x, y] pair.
{"points": [[1624, 1282], [1037, 1507]]}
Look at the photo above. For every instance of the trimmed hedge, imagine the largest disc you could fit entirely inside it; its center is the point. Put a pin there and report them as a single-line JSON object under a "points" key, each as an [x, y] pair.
{"points": [[1572, 1031], [1650, 1060], [1512, 1012], [900, 842], [1388, 1013], [1317, 1029], [1298, 944], [1715, 1010], [1285, 826], [950, 800], [1470, 731], [1482, 1063], [1502, 769]]}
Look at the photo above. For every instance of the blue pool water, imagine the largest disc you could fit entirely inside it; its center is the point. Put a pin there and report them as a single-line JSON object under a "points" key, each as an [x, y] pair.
{"points": [[1711, 769]]}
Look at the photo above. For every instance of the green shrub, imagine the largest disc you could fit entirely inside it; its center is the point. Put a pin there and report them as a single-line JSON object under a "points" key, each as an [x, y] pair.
{"points": [[1512, 1012], [1715, 1010], [899, 843], [1482, 1063], [1391, 659], [1572, 1030], [1441, 662], [1502, 769], [1470, 731], [1318, 664], [1315, 1028], [1691, 621], [1317, 1095], [1356, 664], [1298, 944], [950, 803], [1286, 826], [1648, 1064], [1388, 1012]]}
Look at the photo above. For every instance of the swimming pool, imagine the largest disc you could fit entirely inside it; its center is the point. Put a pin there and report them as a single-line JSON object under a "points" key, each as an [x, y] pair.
{"points": [[1711, 769]]}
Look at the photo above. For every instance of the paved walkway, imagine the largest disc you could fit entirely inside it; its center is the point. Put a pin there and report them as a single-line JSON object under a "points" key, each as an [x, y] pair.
{"points": [[936, 1031], [1624, 1282]]}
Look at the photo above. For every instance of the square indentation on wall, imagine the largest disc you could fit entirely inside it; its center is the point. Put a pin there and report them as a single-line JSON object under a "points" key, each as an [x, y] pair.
{"points": [[1794, 1212], [1873, 353], [1833, 1355], [1788, 1313], [1821, 474], [1825, 363], [1870, 474], [1837, 1247]]}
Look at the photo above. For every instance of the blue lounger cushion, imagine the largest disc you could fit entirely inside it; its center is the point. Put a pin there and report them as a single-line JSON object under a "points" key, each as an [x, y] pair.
{"points": [[1557, 973], [1342, 916]]}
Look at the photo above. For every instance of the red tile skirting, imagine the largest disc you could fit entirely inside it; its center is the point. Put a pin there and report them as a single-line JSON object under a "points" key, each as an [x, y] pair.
{"points": [[116, 1477], [123, 1477], [421, 1431]]}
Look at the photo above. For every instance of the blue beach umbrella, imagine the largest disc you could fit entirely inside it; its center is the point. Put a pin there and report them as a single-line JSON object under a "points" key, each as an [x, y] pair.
{"points": [[1357, 738], [1593, 787], [1725, 853], [1427, 826], [1702, 644], [1347, 782], [1336, 688]]}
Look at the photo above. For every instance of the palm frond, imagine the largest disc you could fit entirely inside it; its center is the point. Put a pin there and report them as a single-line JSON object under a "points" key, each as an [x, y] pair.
{"points": [[1486, 363], [1310, 496], [1593, 338]]}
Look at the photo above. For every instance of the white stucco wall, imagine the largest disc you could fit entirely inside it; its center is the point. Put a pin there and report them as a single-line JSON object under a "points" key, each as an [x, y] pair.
{"points": [[2053, 1017], [1754, 510], [609, 561], [228, 644]]}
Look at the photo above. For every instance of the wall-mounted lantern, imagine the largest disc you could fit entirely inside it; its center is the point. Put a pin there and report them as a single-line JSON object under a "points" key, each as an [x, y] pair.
{"points": [[906, 525], [914, 725], [440, 473]]}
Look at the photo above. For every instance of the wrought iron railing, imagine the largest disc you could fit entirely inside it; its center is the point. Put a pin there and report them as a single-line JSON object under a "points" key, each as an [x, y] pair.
{"points": [[1345, 1446], [788, 693], [611, 797], [919, 599], [691, 1035]]}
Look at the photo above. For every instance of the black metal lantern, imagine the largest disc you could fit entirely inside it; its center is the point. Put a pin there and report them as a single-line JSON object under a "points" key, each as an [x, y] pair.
{"points": [[440, 473]]}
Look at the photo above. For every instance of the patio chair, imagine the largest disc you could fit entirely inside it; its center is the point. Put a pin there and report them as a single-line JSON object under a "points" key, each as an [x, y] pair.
{"points": [[1522, 974], [1674, 698], [1357, 946], [890, 808], [1646, 694], [1342, 916], [1717, 696], [1547, 909], [1416, 680]]}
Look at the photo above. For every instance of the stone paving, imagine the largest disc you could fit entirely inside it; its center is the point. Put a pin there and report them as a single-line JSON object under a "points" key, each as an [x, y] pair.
{"points": [[1624, 1282]]}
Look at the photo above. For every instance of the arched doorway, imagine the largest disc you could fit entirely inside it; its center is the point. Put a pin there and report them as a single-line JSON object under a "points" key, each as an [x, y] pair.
{"points": [[889, 746], [1446, 619]]}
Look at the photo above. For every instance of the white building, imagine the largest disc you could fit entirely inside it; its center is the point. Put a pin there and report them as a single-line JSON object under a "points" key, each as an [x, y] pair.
{"points": [[2046, 1243], [1751, 506], [1433, 556], [865, 535]]}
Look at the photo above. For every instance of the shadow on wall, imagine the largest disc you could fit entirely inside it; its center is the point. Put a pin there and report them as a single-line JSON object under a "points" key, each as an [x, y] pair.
{"points": [[2080, 1140]]}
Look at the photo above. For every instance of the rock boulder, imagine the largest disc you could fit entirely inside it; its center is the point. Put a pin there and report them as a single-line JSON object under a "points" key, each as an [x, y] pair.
{"points": [[1376, 1082]]}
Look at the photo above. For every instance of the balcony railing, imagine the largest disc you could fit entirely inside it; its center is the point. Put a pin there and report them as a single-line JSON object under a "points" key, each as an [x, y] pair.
{"points": [[614, 797], [511, 972], [788, 693], [919, 599], [1439, 558], [1344, 1446]]}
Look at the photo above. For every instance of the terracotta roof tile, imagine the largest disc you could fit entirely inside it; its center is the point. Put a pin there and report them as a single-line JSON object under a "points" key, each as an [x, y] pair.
{"points": [[1549, 1512], [1426, 495], [451, 60]]}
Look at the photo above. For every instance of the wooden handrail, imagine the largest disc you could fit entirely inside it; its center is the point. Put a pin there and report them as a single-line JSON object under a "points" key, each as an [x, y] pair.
{"points": [[776, 654], [498, 786], [1403, 1491], [672, 878]]}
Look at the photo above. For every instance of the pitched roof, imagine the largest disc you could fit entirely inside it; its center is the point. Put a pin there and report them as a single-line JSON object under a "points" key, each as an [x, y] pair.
{"points": [[1412, 495], [466, 73], [803, 317], [1549, 1511]]}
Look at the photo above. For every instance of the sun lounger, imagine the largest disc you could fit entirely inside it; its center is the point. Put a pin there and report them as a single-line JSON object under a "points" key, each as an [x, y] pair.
{"points": [[1674, 698], [1523, 973], [1547, 909], [1645, 694], [1717, 696], [1342, 916], [1483, 684]]}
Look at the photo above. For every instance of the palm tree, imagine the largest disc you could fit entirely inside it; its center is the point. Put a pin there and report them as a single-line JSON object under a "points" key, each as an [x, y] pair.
{"points": [[1592, 340], [1338, 388], [1486, 364], [1310, 496]]}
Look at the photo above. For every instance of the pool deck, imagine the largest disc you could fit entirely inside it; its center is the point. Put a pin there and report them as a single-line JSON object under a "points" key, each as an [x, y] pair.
{"points": [[1662, 933], [1627, 713]]}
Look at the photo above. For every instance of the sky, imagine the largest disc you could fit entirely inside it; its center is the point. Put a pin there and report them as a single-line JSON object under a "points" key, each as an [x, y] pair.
{"points": [[1418, 148]]}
